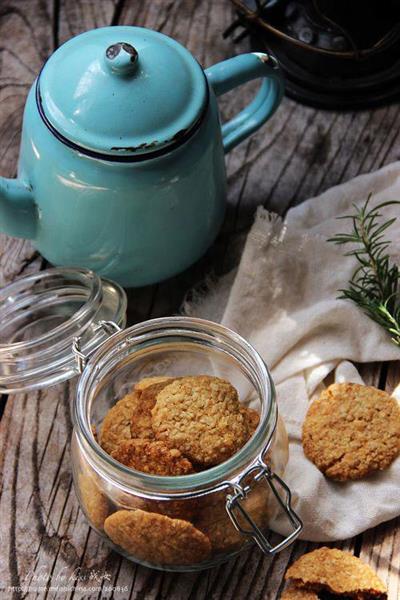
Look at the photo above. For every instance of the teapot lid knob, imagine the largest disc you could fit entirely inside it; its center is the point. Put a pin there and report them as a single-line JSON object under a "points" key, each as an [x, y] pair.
{"points": [[121, 58]]}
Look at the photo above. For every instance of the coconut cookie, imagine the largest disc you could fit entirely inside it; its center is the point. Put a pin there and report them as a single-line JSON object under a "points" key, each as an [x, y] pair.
{"points": [[151, 456], [117, 423], [94, 502], [201, 417], [351, 431], [155, 538], [336, 572], [141, 419]]}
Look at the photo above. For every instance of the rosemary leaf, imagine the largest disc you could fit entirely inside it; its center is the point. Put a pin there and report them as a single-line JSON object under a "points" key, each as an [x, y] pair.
{"points": [[375, 283]]}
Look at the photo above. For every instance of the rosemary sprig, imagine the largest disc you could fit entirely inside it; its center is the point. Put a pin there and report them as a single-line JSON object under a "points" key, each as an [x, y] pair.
{"points": [[375, 283]]}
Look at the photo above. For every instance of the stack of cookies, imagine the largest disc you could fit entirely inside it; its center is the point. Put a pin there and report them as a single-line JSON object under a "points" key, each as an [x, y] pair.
{"points": [[173, 426]]}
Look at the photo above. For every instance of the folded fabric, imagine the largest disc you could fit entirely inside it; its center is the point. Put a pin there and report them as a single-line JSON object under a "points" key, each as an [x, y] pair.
{"points": [[283, 299]]}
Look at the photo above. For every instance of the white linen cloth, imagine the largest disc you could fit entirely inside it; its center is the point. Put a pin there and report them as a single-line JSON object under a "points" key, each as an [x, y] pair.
{"points": [[283, 299]]}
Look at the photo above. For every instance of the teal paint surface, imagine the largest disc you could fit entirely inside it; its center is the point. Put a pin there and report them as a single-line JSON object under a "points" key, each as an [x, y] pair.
{"points": [[98, 95], [134, 222]]}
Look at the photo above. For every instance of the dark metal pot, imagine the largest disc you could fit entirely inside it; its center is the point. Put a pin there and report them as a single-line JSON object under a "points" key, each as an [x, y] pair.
{"points": [[334, 54]]}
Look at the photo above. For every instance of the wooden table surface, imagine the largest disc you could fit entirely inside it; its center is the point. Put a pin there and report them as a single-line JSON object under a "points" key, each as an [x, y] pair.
{"points": [[300, 153]]}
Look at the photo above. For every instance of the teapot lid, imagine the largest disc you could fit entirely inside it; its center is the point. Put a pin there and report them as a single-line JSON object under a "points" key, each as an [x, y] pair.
{"points": [[125, 92]]}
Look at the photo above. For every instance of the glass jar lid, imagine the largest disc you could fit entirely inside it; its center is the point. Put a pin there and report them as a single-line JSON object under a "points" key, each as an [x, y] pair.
{"points": [[40, 317], [122, 92]]}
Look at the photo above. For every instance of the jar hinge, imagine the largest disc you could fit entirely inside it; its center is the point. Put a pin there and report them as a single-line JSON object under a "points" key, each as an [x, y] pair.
{"points": [[233, 504], [81, 359]]}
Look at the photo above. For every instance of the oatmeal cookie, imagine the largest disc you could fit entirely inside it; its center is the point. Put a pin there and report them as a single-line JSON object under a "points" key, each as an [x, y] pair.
{"points": [[94, 502], [176, 509], [337, 572], [141, 421], [156, 538], [147, 381], [295, 593], [151, 456], [201, 417], [351, 431], [213, 519], [117, 423], [252, 418]]}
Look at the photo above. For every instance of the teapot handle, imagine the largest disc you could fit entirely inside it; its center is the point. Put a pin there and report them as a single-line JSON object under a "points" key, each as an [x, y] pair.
{"points": [[226, 75]]}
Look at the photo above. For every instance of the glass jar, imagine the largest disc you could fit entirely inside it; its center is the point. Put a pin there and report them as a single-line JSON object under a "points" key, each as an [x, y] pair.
{"points": [[187, 522], [62, 322]]}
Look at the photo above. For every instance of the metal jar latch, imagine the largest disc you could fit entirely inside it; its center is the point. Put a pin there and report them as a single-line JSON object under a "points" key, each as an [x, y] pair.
{"points": [[261, 472], [109, 327]]}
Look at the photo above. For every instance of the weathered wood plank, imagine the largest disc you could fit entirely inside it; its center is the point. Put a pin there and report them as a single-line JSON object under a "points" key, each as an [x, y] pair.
{"points": [[26, 41], [81, 15], [35, 461], [380, 546]]}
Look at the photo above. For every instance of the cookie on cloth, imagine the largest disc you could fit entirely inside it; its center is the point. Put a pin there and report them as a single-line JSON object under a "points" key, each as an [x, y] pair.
{"points": [[141, 420], [117, 423], [200, 415], [156, 538], [151, 456], [295, 593], [336, 572], [351, 431]]}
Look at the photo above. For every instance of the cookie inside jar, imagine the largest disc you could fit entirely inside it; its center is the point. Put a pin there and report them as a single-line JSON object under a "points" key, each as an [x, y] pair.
{"points": [[172, 421]]}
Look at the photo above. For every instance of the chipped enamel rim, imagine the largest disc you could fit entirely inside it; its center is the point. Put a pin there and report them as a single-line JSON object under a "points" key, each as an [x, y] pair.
{"points": [[167, 147]]}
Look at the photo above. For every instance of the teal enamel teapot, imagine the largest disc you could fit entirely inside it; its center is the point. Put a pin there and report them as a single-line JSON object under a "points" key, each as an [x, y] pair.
{"points": [[121, 166]]}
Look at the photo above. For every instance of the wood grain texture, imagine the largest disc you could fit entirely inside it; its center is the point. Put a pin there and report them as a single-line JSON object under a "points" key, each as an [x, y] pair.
{"points": [[299, 154], [26, 35]]}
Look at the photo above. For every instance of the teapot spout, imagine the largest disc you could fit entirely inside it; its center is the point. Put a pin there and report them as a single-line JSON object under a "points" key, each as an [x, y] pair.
{"points": [[18, 212]]}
